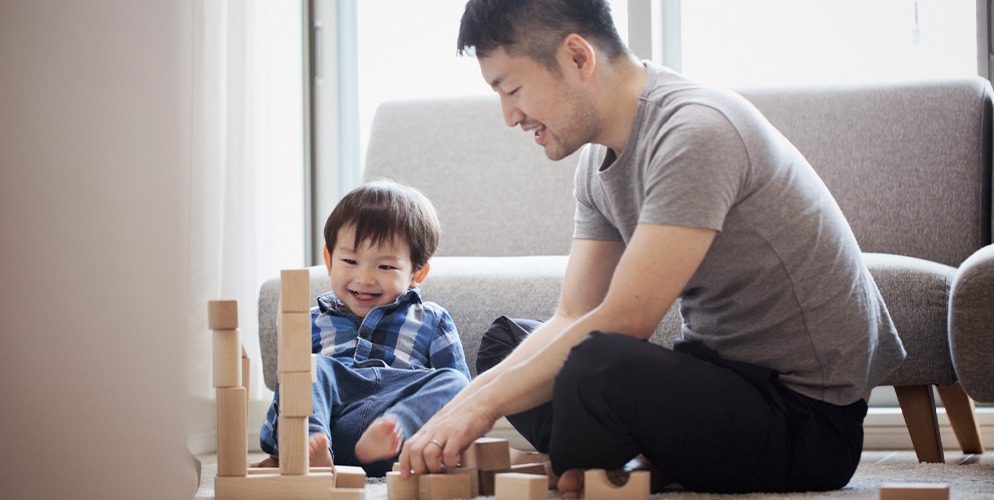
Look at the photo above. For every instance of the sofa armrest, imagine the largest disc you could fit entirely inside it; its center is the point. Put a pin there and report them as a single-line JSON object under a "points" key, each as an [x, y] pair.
{"points": [[971, 324]]}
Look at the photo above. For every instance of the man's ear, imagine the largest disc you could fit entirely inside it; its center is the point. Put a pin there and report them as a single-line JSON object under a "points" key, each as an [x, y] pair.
{"points": [[577, 54], [327, 260], [419, 276]]}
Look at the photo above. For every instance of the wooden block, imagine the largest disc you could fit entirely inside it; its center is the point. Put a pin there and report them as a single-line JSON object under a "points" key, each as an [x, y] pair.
{"points": [[245, 381], [295, 290], [488, 481], [443, 486], [232, 435], [597, 486], [914, 491], [222, 314], [474, 479], [399, 488], [296, 397], [347, 476], [348, 494], [294, 456], [488, 454], [314, 368], [529, 469], [227, 358], [294, 349], [270, 486], [516, 486]]}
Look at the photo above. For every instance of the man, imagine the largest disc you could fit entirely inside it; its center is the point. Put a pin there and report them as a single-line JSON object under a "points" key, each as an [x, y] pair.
{"points": [[684, 192]]}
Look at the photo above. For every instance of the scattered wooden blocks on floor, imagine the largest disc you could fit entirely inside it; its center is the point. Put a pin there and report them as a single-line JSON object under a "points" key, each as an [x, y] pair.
{"points": [[349, 477], [517, 486], [270, 486], [597, 486], [348, 494], [474, 479], [295, 290], [227, 358], [914, 491], [399, 488], [443, 486], [488, 454], [232, 437], [488, 481], [222, 314], [294, 454]]}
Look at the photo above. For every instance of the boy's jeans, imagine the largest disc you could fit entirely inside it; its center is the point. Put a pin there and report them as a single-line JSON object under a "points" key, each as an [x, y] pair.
{"points": [[348, 399]]}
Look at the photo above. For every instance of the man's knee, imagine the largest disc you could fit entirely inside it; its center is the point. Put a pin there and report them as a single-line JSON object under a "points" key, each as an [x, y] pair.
{"points": [[500, 339], [595, 360]]}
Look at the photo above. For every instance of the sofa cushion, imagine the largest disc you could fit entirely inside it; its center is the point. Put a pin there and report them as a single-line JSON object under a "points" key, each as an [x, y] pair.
{"points": [[916, 292]]}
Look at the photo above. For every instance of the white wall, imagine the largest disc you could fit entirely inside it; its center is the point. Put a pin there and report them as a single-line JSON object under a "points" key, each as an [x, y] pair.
{"points": [[94, 179]]}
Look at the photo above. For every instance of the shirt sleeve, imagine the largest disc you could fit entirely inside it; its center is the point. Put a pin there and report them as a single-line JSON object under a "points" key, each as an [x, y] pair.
{"points": [[446, 349], [589, 223]]}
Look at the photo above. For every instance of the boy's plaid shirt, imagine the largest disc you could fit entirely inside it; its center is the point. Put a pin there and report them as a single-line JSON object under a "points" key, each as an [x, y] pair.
{"points": [[408, 334]]}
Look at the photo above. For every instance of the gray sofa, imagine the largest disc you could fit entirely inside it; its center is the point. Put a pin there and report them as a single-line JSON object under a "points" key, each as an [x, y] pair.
{"points": [[910, 166]]}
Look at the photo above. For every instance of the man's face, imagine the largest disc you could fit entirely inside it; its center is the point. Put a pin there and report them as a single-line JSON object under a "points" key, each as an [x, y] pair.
{"points": [[373, 275], [552, 106]]}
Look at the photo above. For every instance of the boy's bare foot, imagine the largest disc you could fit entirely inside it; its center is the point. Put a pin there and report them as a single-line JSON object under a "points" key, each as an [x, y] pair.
{"points": [[519, 457], [272, 461], [381, 440], [320, 455]]}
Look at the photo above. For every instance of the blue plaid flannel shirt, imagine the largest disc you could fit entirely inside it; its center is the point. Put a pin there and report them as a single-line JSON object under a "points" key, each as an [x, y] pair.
{"points": [[408, 334]]}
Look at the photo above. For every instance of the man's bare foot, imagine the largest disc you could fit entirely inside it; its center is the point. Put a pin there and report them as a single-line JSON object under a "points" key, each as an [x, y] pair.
{"points": [[381, 440], [320, 455], [519, 457], [571, 483], [272, 461]]}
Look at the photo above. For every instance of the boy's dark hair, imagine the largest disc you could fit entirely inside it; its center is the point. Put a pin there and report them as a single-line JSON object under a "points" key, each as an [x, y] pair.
{"points": [[382, 210], [535, 28]]}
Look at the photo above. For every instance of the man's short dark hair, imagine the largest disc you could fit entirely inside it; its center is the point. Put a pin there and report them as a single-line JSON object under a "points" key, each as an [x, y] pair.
{"points": [[535, 28], [382, 210]]}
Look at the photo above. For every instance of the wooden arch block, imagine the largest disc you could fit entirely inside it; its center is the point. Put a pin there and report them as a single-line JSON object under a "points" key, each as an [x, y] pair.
{"points": [[597, 486]]}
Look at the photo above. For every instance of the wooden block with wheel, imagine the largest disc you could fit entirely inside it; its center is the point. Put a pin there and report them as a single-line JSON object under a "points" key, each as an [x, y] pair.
{"points": [[443, 486], [914, 491], [399, 488], [488, 454], [517, 486], [597, 486]]}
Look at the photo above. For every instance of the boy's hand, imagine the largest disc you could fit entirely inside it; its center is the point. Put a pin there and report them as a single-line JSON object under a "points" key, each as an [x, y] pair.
{"points": [[437, 446]]}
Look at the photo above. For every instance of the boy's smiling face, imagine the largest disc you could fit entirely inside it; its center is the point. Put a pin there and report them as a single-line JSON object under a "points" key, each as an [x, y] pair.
{"points": [[373, 275]]}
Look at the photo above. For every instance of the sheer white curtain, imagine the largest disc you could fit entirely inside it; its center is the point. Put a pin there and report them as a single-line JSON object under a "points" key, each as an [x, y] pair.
{"points": [[246, 202]]}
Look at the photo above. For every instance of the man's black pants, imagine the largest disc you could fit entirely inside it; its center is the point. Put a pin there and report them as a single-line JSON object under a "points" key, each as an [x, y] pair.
{"points": [[709, 424]]}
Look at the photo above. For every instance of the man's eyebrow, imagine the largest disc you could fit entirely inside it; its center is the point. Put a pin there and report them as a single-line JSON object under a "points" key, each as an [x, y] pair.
{"points": [[496, 81]]}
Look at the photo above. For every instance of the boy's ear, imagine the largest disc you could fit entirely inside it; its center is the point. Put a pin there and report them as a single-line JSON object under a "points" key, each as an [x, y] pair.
{"points": [[419, 276], [327, 260]]}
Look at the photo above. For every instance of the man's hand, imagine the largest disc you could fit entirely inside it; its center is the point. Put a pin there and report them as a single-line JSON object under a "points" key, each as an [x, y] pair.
{"points": [[437, 446]]}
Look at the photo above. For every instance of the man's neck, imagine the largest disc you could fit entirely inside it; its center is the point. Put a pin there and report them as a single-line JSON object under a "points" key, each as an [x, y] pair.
{"points": [[623, 82]]}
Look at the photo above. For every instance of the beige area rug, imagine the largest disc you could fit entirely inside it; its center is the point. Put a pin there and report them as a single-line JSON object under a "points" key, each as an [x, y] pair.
{"points": [[974, 481]]}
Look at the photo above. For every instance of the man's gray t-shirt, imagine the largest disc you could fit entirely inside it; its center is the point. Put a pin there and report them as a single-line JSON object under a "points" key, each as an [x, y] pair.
{"points": [[784, 284]]}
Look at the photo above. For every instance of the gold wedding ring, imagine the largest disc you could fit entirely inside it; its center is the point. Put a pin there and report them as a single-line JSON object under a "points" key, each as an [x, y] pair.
{"points": [[437, 443]]}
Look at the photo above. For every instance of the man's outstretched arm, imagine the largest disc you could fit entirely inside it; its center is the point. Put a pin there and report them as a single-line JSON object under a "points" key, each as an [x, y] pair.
{"points": [[631, 299]]}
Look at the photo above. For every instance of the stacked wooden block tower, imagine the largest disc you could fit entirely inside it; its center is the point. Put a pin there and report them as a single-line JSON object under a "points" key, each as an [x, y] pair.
{"points": [[294, 479]]}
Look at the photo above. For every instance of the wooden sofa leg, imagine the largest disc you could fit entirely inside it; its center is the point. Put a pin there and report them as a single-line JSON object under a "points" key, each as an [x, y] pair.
{"points": [[962, 417], [918, 407]]}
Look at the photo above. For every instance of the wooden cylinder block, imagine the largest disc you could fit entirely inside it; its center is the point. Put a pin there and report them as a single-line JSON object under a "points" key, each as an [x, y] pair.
{"points": [[222, 314], [294, 456], [228, 358], [232, 432]]}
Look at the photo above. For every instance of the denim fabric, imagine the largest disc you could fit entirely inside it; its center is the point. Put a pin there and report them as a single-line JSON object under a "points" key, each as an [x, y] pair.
{"points": [[347, 399]]}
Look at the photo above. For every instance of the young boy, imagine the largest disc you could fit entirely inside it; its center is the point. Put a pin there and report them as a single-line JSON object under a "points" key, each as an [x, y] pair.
{"points": [[388, 360]]}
